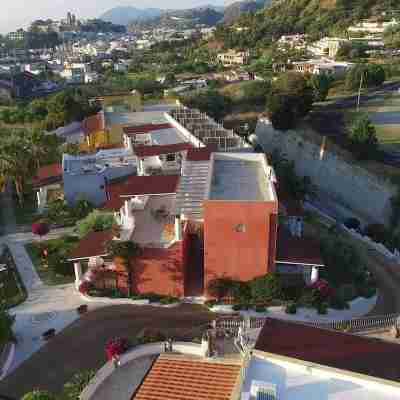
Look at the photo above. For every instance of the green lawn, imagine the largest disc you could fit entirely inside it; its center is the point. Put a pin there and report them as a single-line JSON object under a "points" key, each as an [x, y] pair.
{"points": [[53, 272], [11, 287], [389, 137]]}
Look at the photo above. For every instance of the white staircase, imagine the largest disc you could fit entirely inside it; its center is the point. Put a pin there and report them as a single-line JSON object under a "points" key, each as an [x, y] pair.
{"points": [[192, 189]]}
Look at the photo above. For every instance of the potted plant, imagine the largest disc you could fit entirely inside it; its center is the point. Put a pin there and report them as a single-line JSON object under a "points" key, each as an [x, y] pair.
{"points": [[116, 347], [84, 287], [82, 309]]}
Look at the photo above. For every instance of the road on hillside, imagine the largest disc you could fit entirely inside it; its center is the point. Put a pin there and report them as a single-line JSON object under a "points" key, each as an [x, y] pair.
{"points": [[351, 101]]}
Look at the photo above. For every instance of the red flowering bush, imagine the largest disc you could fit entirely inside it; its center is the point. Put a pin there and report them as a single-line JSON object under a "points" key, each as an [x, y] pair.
{"points": [[40, 229], [84, 287], [115, 347], [322, 286]]}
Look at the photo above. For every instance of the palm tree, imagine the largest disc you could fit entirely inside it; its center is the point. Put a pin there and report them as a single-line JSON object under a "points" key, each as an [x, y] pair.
{"points": [[37, 140], [124, 254], [17, 162]]}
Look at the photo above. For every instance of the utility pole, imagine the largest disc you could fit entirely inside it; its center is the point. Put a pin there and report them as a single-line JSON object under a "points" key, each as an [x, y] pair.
{"points": [[359, 91]]}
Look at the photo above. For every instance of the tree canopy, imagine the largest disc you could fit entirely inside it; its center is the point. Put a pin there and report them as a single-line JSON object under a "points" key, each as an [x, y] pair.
{"points": [[362, 139], [291, 99], [370, 74]]}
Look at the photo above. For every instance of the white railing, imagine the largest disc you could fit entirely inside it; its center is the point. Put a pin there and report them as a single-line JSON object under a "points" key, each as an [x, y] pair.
{"points": [[354, 324], [361, 324]]}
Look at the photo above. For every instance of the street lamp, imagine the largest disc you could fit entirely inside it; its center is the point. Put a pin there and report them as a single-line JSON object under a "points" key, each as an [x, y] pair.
{"points": [[360, 88]]}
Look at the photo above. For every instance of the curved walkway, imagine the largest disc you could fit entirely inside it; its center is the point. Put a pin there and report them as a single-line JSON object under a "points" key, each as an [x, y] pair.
{"points": [[45, 307]]}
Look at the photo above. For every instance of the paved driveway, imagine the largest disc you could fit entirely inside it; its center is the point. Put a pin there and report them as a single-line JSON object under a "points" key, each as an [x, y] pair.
{"points": [[81, 345]]}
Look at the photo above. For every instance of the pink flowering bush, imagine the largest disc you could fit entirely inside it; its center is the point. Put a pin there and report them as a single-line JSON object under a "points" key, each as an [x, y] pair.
{"points": [[116, 347], [40, 229], [84, 287], [322, 286]]}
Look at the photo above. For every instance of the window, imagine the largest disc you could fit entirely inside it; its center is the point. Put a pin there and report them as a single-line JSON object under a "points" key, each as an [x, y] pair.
{"points": [[171, 157]]}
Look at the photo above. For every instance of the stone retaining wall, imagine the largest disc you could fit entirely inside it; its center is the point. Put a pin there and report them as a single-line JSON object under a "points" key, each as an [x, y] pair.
{"points": [[346, 183]]}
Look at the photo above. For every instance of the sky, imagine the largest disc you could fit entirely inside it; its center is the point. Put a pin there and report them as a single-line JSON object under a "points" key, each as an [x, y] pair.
{"points": [[19, 13]]}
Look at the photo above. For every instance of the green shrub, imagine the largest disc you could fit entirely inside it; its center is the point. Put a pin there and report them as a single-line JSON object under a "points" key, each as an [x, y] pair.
{"points": [[169, 300], [95, 221], [240, 291], [210, 303], [260, 309], [123, 249], [291, 308], [74, 388], [366, 291], [82, 209], [322, 309], [347, 292], [116, 294], [342, 260], [6, 323], [222, 287], [310, 298], [338, 303], [266, 288], [153, 297], [38, 395], [138, 297], [97, 293], [150, 336]]}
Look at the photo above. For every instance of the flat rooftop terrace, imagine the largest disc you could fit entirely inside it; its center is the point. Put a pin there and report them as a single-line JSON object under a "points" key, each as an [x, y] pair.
{"points": [[240, 177]]}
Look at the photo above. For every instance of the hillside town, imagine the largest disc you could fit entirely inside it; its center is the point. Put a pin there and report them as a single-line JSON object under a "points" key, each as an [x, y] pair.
{"points": [[201, 203]]}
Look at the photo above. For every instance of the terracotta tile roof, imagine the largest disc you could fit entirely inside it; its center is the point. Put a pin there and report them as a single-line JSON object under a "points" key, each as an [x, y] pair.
{"points": [[297, 250], [139, 185], [148, 151], [93, 124], [48, 174], [182, 378], [333, 349], [201, 154], [94, 244], [141, 129]]}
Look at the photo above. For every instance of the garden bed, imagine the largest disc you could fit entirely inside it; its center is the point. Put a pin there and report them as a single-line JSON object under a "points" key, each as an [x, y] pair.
{"points": [[357, 308], [115, 296], [53, 269]]}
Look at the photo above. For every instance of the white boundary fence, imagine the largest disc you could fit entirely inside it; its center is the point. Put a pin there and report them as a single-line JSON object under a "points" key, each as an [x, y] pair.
{"points": [[361, 324], [354, 325]]}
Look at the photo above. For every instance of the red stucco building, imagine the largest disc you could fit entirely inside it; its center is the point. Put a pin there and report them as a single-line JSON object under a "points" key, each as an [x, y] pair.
{"points": [[218, 219]]}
